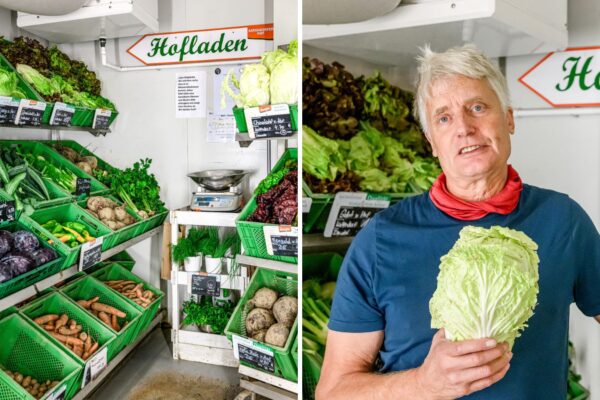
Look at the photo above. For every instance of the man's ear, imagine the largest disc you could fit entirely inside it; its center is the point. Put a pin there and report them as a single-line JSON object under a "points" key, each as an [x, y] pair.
{"points": [[510, 120]]}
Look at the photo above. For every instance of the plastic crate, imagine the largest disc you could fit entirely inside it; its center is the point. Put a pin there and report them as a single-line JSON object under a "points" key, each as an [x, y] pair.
{"points": [[117, 272], [123, 258], [88, 287], [39, 149], [56, 303], [152, 222], [324, 266], [283, 283], [240, 118], [311, 373], [118, 236], [251, 233], [65, 213], [29, 278], [29, 352], [78, 148], [29, 92]]}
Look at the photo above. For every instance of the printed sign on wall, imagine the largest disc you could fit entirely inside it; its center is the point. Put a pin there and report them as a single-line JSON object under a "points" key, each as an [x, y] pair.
{"points": [[567, 79]]}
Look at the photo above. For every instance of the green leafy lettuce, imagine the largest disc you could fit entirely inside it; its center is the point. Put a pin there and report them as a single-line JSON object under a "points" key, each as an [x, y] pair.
{"points": [[487, 285], [321, 157]]}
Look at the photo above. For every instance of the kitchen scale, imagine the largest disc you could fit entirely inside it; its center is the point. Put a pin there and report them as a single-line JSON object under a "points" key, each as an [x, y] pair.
{"points": [[218, 190]]}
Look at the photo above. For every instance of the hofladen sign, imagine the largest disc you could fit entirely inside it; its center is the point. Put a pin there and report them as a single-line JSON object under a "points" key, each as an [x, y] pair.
{"points": [[204, 46], [567, 79]]}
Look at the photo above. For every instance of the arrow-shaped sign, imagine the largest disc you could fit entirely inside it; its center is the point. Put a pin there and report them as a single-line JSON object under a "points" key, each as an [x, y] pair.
{"points": [[204, 46], [567, 79]]}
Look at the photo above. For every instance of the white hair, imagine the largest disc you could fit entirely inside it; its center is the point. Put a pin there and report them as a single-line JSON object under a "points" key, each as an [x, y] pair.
{"points": [[466, 60]]}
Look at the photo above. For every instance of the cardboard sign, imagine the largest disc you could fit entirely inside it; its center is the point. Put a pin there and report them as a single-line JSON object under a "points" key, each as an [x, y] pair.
{"points": [[281, 240], [206, 285], [269, 121], [30, 112], [91, 254], [252, 353], [306, 205], [8, 110], [101, 119], [94, 366], [62, 114], [7, 211], [83, 186], [351, 211], [58, 393]]}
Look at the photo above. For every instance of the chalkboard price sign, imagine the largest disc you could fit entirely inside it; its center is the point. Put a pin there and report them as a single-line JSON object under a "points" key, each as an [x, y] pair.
{"points": [[269, 121], [62, 114], [256, 358], [7, 211], [350, 220], [8, 110], [281, 240], [91, 254], [351, 211], [30, 112], [83, 186], [206, 285], [101, 118]]}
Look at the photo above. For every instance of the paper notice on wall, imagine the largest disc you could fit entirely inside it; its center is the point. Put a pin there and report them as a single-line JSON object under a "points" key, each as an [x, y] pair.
{"points": [[219, 74], [221, 129], [190, 95]]}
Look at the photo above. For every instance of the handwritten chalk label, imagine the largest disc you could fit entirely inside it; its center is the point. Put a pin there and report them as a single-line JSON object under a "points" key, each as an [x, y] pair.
{"points": [[281, 240], [30, 112], [94, 366], [83, 186], [8, 110], [7, 211], [253, 353], [269, 121], [206, 285], [351, 211], [62, 114], [101, 118], [91, 254]]}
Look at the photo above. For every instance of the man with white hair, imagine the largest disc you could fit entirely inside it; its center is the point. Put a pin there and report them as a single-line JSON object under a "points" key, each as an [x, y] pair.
{"points": [[380, 344]]}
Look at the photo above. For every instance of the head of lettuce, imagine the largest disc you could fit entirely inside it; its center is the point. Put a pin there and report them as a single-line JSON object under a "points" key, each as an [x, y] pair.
{"points": [[487, 285]]}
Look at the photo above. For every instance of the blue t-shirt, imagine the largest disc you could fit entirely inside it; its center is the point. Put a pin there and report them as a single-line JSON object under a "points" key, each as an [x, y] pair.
{"points": [[390, 272]]}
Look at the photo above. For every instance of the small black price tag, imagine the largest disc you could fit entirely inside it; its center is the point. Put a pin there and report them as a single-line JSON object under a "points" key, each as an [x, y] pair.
{"points": [[351, 219], [84, 186], [256, 358], [91, 254], [8, 110], [284, 245], [7, 211], [206, 285], [30, 112], [101, 118], [62, 114], [272, 126], [351, 211]]}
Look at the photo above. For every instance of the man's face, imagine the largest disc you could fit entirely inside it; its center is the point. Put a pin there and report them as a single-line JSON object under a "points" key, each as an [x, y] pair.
{"points": [[468, 130]]}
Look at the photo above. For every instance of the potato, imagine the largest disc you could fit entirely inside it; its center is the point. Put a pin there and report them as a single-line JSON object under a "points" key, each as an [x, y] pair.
{"points": [[68, 153], [90, 160], [258, 319], [85, 167], [285, 310], [107, 213], [143, 214], [260, 335], [120, 214], [111, 224], [277, 335], [120, 225], [264, 298]]}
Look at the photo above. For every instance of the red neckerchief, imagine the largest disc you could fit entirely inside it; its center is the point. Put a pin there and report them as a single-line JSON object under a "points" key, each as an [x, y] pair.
{"points": [[502, 203]]}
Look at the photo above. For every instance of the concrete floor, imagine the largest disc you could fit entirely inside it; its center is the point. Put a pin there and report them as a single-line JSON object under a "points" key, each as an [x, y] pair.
{"points": [[151, 373]]}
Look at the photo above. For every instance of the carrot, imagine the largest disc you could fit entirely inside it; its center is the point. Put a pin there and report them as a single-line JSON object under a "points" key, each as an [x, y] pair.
{"points": [[108, 309], [68, 340], [88, 303], [62, 321], [78, 350], [83, 336], [44, 319], [49, 328], [88, 344], [115, 323], [91, 351], [69, 331], [104, 318]]}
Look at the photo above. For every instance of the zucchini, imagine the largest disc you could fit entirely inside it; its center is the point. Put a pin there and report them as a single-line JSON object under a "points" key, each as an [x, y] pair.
{"points": [[19, 169], [32, 191], [12, 186], [39, 182]]}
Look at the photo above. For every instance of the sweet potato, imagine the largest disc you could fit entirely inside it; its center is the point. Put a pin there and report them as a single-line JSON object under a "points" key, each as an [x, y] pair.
{"points": [[68, 331], [104, 318], [91, 351], [88, 303], [44, 319], [68, 340], [108, 309], [62, 321]]}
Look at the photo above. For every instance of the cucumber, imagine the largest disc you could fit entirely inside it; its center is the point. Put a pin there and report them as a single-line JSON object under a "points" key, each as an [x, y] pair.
{"points": [[32, 191], [19, 169], [3, 172], [12, 186], [39, 182]]}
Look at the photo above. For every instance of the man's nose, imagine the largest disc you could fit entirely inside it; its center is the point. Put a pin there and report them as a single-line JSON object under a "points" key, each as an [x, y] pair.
{"points": [[464, 124]]}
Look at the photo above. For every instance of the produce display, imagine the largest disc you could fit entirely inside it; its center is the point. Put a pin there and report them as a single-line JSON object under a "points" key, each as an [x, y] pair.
{"points": [[273, 81], [109, 212], [206, 314], [360, 135], [20, 181], [271, 317], [54, 75], [72, 234], [9, 84], [107, 314], [487, 285], [21, 252], [88, 164], [37, 389], [69, 333], [133, 291], [279, 204]]}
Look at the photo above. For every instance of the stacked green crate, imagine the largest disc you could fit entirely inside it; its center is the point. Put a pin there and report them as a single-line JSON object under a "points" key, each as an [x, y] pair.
{"points": [[115, 271], [89, 287], [285, 284], [31, 353]]}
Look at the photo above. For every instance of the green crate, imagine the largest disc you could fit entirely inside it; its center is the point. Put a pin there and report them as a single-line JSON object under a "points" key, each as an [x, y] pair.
{"points": [[57, 303], [152, 222], [39, 149], [29, 92], [118, 236], [311, 373], [88, 287], [57, 196], [281, 282], [123, 258], [251, 233], [117, 272], [240, 118], [295, 352], [83, 151], [65, 213], [29, 352], [323, 266], [35, 275]]}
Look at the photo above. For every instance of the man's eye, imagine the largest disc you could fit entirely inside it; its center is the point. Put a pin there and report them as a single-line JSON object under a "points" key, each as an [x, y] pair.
{"points": [[477, 108], [443, 119]]}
